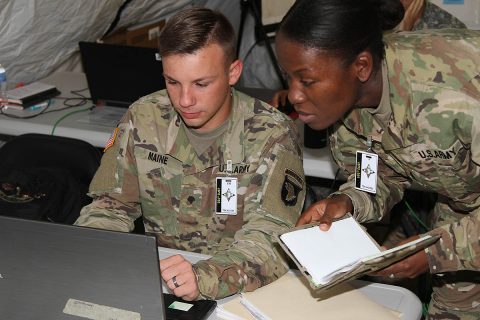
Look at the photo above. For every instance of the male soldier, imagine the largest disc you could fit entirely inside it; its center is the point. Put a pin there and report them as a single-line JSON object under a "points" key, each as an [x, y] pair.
{"points": [[208, 168]]}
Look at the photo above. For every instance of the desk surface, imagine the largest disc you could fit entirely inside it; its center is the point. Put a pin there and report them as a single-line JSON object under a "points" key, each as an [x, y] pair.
{"points": [[96, 126], [75, 126], [392, 297]]}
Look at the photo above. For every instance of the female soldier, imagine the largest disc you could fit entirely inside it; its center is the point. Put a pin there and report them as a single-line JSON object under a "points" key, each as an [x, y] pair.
{"points": [[411, 99]]}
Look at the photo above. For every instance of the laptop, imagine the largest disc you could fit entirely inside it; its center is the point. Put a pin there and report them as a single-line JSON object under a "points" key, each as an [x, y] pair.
{"points": [[118, 75], [53, 271]]}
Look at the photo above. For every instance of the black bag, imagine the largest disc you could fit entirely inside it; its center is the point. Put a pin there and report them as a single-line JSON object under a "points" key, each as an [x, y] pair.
{"points": [[46, 177], [51, 194]]}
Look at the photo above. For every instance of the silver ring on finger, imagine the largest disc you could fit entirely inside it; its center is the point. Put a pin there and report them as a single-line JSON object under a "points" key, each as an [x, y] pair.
{"points": [[174, 280]]}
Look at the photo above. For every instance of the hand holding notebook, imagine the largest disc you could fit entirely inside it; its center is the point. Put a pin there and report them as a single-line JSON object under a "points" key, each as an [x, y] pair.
{"points": [[342, 253]]}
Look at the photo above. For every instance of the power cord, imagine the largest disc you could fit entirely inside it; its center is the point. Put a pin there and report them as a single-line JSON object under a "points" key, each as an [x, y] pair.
{"points": [[413, 214], [82, 99], [425, 309], [9, 115], [67, 115]]}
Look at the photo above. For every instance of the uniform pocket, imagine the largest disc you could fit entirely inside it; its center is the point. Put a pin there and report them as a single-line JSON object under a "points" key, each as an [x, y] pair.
{"points": [[198, 220], [160, 184]]}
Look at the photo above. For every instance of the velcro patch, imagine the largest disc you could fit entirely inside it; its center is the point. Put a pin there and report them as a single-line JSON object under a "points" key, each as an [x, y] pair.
{"points": [[111, 140], [109, 176], [285, 188], [292, 185]]}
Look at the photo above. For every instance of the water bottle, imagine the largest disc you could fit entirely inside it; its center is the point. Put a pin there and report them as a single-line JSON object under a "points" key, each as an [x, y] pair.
{"points": [[3, 86]]}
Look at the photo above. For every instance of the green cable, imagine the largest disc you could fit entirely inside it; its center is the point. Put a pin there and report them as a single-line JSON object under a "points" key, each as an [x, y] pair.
{"points": [[67, 115], [412, 213], [425, 309]]}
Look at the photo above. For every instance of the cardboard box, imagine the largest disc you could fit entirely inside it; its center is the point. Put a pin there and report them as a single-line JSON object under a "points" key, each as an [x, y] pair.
{"points": [[138, 36]]}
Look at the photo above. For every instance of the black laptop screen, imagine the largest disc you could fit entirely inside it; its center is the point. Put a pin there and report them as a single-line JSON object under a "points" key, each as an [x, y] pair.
{"points": [[118, 75]]}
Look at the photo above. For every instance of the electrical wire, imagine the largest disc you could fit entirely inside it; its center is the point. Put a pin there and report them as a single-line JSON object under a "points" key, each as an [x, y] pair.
{"points": [[415, 216], [9, 115], [425, 309], [82, 101], [67, 115]]}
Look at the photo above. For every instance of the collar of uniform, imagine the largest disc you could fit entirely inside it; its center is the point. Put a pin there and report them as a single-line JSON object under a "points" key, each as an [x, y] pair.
{"points": [[228, 146], [172, 132], [383, 111], [381, 115], [388, 122], [233, 148], [371, 121]]}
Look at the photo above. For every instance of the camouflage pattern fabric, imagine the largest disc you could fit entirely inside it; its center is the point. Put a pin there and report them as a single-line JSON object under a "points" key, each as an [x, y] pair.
{"points": [[434, 17], [426, 130], [153, 171]]}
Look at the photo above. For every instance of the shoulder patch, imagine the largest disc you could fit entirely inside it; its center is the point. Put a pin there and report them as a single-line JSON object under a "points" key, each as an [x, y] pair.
{"points": [[111, 140], [285, 188], [292, 185], [109, 176]]}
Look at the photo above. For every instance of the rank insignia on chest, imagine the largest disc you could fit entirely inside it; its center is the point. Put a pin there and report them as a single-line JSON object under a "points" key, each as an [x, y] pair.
{"points": [[292, 185]]}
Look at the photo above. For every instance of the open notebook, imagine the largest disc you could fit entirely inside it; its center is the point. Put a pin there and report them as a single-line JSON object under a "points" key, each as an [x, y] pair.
{"points": [[344, 252]]}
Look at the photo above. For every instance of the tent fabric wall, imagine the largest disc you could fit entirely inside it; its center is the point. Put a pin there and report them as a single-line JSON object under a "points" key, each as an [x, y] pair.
{"points": [[39, 37]]}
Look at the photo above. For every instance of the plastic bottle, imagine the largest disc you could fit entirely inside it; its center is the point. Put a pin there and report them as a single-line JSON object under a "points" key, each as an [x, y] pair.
{"points": [[3, 86]]}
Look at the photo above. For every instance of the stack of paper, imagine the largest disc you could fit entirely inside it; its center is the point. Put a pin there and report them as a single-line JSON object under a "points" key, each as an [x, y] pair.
{"points": [[291, 298]]}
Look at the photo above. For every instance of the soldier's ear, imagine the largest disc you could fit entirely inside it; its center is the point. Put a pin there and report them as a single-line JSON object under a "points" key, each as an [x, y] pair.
{"points": [[363, 66], [234, 72]]}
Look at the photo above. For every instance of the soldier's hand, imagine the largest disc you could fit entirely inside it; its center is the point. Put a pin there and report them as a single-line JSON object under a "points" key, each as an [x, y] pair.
{"points": [[324, 211], [279, 98], [410, 267], [179, 276]]}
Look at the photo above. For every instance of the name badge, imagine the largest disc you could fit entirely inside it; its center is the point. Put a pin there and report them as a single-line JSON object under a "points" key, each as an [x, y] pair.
{"points": [[226, 196], [366, 171]]}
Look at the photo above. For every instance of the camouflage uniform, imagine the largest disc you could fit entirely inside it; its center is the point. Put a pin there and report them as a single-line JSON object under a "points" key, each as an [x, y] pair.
{"points": [[426, 130], [434, 17], [153, 171]]}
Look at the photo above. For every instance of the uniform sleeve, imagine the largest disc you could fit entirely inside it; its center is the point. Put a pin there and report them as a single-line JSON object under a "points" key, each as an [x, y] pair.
{"points": [[458, 248], [459, 245], [114, 187], [273, 202], [368, 207]]}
